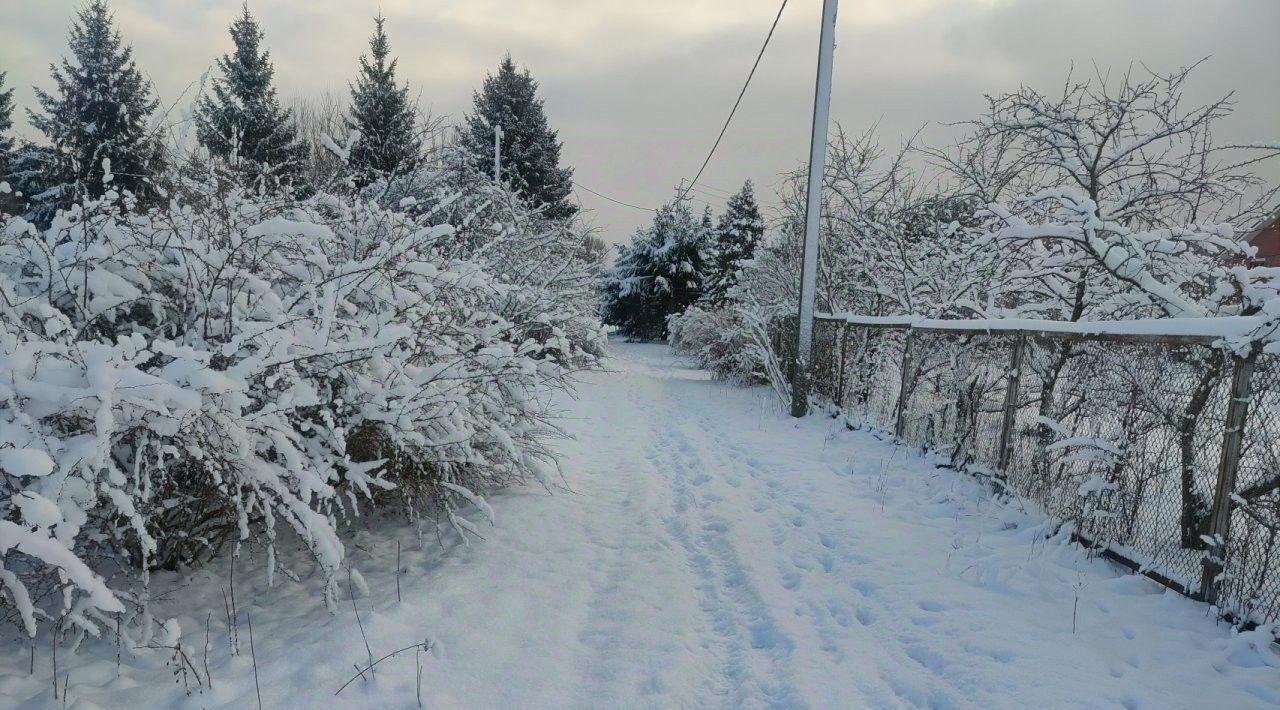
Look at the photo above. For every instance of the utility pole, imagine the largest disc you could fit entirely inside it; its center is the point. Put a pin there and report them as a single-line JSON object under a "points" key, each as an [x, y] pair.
{"points": [[802, 374], [497, 154]]}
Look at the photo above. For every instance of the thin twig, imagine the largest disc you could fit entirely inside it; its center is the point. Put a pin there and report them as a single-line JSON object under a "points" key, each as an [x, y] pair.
{"points": [[422, 645], [208, 676], [352, 593], [418, 682], [256, 687], [54, 639], [234, 616], [226, 606]]}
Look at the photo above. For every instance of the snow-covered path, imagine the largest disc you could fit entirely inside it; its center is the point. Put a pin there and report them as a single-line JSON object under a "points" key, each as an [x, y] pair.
{"points": [[737, 559], [714, 553]]}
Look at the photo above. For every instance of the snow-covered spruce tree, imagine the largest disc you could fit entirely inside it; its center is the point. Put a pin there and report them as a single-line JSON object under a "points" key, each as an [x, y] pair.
{"points": [[737, 236], [241, 122], [381, 112], [6, 123], [8, 200], [659, 275], [530, 148], [96, 121]]}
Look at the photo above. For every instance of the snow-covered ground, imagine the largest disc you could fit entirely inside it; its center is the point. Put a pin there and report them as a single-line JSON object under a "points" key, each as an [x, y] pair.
{"points": [[710, 553]]}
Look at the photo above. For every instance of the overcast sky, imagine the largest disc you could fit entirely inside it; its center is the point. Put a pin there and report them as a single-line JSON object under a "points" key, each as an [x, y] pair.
{"points": [[638, 88]]}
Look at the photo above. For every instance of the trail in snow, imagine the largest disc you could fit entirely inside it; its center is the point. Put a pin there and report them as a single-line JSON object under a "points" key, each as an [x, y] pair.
{"points": [[711, 553]]}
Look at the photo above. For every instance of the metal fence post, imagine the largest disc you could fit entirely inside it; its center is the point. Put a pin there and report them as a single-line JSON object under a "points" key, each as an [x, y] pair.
{"points": [[1012, 391], [1232, 443], [904, 390]]}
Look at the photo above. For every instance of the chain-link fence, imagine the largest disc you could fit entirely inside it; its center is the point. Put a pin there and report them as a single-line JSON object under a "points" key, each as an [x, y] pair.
{"points": [[1160, 450]]}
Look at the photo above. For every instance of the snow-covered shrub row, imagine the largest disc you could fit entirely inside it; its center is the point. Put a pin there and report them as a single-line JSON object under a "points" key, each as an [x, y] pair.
{"points": [[235, 369], [1110, 201]]}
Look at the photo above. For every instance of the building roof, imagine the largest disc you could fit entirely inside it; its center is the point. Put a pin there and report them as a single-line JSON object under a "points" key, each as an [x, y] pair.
{"points": [[1271, 222]]}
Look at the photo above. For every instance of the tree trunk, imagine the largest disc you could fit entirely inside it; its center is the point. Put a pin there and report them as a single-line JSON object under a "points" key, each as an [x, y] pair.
{"points": [[1195, 507]]}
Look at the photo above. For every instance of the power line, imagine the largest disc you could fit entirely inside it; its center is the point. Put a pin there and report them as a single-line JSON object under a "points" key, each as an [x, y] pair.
{"points": [[739, 101], [701, 199], [619, 202], [713, 190], [708, 194], [724, 129]]}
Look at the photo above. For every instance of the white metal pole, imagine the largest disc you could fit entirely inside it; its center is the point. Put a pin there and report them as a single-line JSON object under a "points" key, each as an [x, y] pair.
{"points": [[497, 154], [802, 374]]}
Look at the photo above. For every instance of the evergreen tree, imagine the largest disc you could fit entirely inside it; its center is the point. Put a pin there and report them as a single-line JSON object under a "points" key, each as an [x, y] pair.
{"points": [[6, 107], [530, 149], [381, 111], [242, 122], [96, 121], [8, 200], [6, 123], [659, 275], [737, 237]]}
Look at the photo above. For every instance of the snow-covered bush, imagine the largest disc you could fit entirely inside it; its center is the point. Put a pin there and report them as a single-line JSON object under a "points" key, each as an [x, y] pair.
{"points": [[1110, 201], [719, 341], [739, 344], [553, 265], [887, 246], [1116, 201], [234, 368]]}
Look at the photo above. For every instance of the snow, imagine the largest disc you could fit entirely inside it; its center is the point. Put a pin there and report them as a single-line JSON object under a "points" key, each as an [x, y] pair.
{"points": [[25, 462], [709, 552]]}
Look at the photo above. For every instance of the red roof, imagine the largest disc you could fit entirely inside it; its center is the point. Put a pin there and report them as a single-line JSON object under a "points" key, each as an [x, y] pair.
{"points": [[1267, 239]]}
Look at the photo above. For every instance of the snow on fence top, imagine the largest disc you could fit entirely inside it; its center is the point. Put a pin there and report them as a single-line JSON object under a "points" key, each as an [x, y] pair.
{"points": [[1173, 330]]}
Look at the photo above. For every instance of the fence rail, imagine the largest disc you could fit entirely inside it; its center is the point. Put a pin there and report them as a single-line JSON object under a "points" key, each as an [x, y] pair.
{"points": [[1159, 448]]}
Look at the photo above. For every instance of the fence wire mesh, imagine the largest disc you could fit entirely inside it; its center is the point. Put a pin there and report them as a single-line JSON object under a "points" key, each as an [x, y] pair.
{"points": [[1121, 440]]}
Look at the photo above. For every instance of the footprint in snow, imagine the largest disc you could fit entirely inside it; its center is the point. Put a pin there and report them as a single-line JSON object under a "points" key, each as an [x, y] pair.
{"points": [[828, 563], [865, 587], [931, 605], [839, 614]]}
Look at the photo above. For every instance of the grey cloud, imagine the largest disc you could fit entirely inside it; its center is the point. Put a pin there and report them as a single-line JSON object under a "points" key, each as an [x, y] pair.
{"points": [[638, 89]]}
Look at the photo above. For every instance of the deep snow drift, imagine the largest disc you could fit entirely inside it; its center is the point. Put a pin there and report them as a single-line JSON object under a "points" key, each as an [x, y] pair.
{"points": [[710, 553]]}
